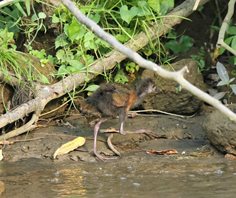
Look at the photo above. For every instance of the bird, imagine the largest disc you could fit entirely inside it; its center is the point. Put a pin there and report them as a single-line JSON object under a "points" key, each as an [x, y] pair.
{"points": [[111, 100]]}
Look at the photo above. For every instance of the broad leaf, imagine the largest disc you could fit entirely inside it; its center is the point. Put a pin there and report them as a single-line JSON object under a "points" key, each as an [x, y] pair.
{"points": [[155, 5], [233, 87], [166, 5], [69, 146], [42, 15], [126, 14], [92, 88], [232, 30], [61, 41], [222, 72], [233, 45], [222, 83], [219, 95]]}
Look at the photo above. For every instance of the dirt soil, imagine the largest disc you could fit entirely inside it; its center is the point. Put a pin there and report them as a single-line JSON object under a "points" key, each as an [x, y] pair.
{"points": [[186, 135]]}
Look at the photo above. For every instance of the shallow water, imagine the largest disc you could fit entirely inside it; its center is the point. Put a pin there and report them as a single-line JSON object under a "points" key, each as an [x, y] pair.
{"points": [[132, 176]]}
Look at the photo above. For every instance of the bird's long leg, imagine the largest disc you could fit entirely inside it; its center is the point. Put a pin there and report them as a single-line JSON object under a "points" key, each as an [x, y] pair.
{"points": [[122, 117], [110, 145], [96, 129]]}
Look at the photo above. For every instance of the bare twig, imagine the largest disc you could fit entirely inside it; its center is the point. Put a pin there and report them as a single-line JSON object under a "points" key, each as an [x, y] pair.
{"points": [[159, 111], [224, 28], [177, 76]]}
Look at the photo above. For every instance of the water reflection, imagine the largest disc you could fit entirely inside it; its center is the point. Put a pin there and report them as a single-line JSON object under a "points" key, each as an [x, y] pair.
{"points": [[152, 177]]}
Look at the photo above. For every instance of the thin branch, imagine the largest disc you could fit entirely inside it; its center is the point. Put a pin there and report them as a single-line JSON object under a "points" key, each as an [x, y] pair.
{"points": [[176, 76], [224, 28]]}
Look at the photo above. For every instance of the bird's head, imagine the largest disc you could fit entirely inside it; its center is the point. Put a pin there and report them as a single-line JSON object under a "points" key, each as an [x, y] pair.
{"points": [[145, 86]]}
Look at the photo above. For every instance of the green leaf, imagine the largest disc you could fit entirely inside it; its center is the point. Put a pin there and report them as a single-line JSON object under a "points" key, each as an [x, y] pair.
{"points": [[74, 30], [233, 43], [92, 88], [20, 9], [122, 37], [232, 30], [62, 71], [44, 79], [126, 14], [55, 19], [186, 42], [131, 67], [27, 5], [34, 17], [61, 41], [60, 54], [120, 77], [155, 5], [89, 41], [183, 45], [42, 15], [223, 74], [95, 17], [76, 65], [166, 5]]}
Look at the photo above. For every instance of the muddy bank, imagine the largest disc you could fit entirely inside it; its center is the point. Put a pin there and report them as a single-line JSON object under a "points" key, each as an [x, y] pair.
{"points": [[186, 135]]}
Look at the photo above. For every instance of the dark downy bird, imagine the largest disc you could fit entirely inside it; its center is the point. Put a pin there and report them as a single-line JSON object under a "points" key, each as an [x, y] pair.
{"points": [[112, 100]]}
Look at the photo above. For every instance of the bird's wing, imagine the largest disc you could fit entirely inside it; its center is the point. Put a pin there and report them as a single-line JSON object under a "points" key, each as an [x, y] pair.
{"points": [[119, 99]]}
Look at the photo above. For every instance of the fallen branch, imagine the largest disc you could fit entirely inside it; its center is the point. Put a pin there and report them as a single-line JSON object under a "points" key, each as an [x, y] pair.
{"points": [[48, 93], [177, 76]]}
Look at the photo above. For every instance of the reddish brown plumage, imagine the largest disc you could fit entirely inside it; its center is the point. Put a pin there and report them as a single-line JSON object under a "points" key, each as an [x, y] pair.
{"points": [[112, 100]]}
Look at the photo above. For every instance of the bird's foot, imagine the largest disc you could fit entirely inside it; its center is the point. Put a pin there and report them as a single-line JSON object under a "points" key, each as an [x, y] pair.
{"points": [[112, 130], [110, 145], [103, 158], [109, 130]]}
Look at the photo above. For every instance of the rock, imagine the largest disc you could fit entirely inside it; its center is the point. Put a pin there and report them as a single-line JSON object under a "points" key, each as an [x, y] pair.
{"points": [[169, 98], [221, 131]]}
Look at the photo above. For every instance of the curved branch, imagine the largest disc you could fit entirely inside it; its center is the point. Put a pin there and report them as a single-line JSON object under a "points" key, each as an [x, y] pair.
{"points": [[224, 28], [27, 127], [177, 76]]}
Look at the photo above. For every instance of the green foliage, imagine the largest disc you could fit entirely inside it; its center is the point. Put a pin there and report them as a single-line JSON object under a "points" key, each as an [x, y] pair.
{"points": [[231, 41], [122, 19], [33, 26], [179, 45], [16, 62], [161, 6], [42, 56], [10, 17], [120, 77], [200, 59], [131, 67], [76, 46]]}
